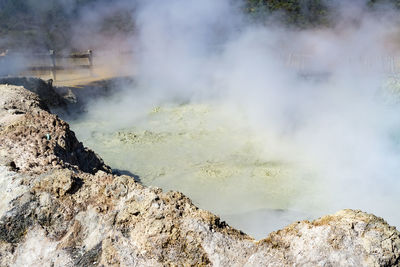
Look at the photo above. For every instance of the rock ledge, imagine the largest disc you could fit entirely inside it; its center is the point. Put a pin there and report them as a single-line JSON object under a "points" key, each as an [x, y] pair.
{"points": [[61, 206]]}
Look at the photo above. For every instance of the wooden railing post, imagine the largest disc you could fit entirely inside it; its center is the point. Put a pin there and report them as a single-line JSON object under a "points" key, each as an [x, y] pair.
{"points": [[90, 57], [53, 62], [52, 68]]}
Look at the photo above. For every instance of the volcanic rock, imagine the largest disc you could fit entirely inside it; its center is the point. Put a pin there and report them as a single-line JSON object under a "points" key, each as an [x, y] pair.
{"points": [[37, 141], [60, 205], [43, 89]]}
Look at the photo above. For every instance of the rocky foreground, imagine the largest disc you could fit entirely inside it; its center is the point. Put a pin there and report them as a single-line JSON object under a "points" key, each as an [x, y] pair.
{"points": [[60, 205]]}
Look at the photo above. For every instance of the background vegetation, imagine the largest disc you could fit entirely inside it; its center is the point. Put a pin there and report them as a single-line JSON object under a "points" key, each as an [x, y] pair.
{"points": [[302, 13], [296, 13], [48, 24]]}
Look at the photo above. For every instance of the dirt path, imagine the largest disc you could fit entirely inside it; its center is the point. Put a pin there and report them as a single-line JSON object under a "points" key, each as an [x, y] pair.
{"points": [[81, 78], [105, 66]]}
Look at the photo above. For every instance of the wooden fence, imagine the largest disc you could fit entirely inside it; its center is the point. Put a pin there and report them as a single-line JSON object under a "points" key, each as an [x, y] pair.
{"points": [[52, 61], [387, 64]]}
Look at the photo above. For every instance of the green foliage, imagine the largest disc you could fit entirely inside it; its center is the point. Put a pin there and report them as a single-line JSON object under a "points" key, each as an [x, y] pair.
{"points": [[48, 24], [395, 3], [301, 13], [298, 13]]}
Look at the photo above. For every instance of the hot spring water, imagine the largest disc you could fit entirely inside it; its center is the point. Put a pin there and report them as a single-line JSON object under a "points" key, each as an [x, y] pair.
{"points": [[253, 178], [211, 154]]}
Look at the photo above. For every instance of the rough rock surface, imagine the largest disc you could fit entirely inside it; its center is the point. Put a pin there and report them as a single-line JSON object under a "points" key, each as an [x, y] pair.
{"points": [[61, 206], [79, 97], [33, 140], [347, 238], [43, 89]]}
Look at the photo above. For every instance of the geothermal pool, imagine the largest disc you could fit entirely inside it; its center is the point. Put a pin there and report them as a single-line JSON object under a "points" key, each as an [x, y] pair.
{"points": [[211, 154], [246, 171]]}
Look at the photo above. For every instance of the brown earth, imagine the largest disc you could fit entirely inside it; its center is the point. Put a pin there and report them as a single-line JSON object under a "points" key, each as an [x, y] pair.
{"points": [[61, 206]]}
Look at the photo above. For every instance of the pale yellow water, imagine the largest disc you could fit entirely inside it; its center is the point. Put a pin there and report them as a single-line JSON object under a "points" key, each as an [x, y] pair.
{"points": [[212, 155]]}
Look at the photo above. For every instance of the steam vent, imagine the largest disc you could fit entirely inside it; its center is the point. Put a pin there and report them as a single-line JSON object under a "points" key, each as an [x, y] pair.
{"points": [[199, 133]]}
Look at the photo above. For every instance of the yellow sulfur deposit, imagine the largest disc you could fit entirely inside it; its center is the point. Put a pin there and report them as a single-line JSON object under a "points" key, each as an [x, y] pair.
{"points": [[210, 153]]}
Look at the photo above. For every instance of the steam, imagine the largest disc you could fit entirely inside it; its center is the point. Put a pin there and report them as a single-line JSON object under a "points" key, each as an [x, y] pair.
{"points": [[32, 28], [318, 93]]}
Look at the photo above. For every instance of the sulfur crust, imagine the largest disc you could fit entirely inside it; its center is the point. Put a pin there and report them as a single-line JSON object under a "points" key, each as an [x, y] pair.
{"points": [[208, 152]]}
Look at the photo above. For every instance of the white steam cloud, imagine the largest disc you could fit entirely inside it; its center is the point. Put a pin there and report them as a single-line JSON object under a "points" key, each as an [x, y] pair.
{"points": [[320, 92]]}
